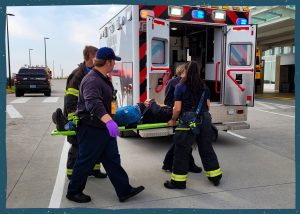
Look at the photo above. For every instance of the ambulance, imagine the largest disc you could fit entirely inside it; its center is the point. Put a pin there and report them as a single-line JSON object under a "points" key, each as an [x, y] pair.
{"points": [[153, 40]]}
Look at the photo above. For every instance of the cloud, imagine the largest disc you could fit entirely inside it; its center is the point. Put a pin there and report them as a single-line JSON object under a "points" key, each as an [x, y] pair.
{"points": [[20, 27]]}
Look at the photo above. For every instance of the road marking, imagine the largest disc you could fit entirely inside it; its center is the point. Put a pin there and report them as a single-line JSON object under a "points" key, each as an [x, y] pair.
{"points": [[236, 135], [50, 100], [13, 113], [286, 115], [21, 100], [279, 105], [265, 105], [60, 178]]}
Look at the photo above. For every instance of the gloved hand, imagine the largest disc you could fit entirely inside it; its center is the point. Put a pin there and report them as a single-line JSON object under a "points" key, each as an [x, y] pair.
{"points": [[113, 128]]}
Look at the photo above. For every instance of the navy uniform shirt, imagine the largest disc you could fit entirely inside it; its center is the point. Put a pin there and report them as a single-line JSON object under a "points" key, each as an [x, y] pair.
{"points": [[183, 94], [95, 97], [170, 88]]}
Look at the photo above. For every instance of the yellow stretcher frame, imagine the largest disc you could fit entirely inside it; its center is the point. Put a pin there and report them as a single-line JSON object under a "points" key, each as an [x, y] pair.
{"points": [[121, 128]]}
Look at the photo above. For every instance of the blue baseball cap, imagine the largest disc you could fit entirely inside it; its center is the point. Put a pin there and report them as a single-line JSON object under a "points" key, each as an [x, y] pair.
{"points": [[107, 53]]}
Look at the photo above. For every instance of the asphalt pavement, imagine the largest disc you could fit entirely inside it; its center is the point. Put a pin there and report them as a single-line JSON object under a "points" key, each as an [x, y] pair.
{"points": [[258, 164]]}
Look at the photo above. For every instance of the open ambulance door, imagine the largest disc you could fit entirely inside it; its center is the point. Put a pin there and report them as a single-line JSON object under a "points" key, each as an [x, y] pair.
{"points": [[158, 48], [239, 76]]}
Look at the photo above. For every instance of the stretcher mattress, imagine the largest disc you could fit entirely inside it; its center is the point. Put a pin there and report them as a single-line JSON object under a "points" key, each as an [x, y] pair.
{"points": [[121, 128]]}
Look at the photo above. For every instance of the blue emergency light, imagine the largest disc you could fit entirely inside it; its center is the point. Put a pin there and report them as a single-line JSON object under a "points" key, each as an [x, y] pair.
{"points": [[198, 14], [241, 21]]}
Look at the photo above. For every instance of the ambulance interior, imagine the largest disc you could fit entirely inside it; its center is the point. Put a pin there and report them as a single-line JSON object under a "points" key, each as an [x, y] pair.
{"points": [[198, 43]]}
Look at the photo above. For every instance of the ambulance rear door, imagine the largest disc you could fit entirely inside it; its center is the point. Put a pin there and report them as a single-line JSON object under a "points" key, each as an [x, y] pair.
{"points": [[239, 77], [158, 72]]}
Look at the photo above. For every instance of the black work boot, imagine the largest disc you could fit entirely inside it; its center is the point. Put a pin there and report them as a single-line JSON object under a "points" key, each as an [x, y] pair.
{"points": [[215, 180], [133, 191], [175, 184], [195, 169], [59, 119], [98, 174], [79, 198]]}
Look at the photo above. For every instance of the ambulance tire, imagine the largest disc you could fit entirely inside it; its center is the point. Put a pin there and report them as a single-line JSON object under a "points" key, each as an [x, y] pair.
{"points": [[214, 133]]}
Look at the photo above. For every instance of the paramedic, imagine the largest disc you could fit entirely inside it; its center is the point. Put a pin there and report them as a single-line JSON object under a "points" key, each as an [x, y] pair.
{"points": [[70, 105], [97, 131], [169, 101], [187, 96]]}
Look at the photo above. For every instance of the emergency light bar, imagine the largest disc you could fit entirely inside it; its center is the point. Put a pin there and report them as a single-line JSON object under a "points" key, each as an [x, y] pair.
{"points": [[241, 21], [198, 14], [219, 15], [145, 13], [175, 11]]}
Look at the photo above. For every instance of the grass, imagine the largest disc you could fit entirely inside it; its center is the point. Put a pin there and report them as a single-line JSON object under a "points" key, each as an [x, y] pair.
{"points": [[10, 90]]}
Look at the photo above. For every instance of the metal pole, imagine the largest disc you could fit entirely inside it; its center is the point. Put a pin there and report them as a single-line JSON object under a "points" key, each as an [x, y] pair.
{"points": [[8, 53], [29, 57], [45, 51]]}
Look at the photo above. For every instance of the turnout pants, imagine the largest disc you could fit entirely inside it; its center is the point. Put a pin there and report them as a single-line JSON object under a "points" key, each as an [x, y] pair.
{"points": [[96, 144], [183, 140], [72, 155], [168, 161]]}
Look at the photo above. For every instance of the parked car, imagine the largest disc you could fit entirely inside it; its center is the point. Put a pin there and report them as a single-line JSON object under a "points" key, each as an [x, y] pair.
{"points": [[32, 80]]}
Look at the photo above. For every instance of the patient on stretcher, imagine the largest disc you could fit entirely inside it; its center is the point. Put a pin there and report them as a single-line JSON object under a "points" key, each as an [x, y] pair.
{"points": [[148, 112]]}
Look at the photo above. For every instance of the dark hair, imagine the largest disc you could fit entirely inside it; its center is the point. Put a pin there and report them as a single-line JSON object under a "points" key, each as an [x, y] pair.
{"points": [[88, 49], [193, 80]]}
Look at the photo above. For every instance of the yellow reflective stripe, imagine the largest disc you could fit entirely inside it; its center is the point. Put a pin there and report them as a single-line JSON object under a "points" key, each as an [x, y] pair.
{"points": [[72, 91], [97, 167], [70, 116], [75, 120], [175, 177], [69, 171], [182, 129], [213, 173]]}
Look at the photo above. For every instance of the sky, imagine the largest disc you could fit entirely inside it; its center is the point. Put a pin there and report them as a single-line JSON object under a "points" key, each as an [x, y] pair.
{"points": [[69, 29]]}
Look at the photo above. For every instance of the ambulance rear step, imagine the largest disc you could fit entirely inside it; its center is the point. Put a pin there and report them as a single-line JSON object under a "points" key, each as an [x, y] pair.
{"points": [[232, 126]]}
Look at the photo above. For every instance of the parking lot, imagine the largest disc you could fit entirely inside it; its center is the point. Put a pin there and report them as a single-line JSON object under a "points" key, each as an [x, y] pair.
{"points": [[258, 163]]}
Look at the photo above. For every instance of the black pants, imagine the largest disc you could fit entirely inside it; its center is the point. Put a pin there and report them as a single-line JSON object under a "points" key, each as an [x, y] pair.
{"points": [[168, 161], [183, 141], [72, 155], [96, 144]]}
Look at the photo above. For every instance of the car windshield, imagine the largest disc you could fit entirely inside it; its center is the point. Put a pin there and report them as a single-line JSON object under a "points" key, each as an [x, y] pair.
{"points": [[31, 71]]}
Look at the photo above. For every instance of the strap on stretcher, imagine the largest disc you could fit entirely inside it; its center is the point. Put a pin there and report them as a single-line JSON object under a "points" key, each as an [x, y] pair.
{"points": [[131, 127]]}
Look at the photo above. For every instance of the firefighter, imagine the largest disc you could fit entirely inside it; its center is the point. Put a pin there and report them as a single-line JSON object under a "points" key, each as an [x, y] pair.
{"points": [[169, 101], [196, 127], [70, 105], [97, 131]]}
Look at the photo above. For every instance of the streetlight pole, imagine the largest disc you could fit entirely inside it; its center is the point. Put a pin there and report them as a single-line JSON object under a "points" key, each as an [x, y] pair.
{"points": [[9, 72], [29, 56], [45, 51]]}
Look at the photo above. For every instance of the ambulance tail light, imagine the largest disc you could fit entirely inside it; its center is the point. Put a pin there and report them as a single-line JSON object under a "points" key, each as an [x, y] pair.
{"points": [[219, 15], [175, 11], [241, 21], [145, 13], [198, 14], [249, 99], [240, 111]]}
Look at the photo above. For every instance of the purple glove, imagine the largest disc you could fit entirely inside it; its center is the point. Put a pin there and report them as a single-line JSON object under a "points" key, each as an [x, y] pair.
{"points": [[113, 128]]}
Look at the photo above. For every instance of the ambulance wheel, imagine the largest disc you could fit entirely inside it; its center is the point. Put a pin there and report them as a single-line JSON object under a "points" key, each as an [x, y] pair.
{"points": [[214, 133]]}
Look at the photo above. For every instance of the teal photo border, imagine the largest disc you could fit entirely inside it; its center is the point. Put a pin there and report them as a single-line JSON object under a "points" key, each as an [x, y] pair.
{"points": [[3, 164]]}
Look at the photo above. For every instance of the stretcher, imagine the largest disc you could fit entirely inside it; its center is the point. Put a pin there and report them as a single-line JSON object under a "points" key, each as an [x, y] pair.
{"points": [[135, 127]]}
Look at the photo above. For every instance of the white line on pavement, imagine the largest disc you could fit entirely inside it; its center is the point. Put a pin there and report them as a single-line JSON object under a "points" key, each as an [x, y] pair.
{"points": [[21, 100], [12, 112], [50, 100], [286, 115], [236, 135], [60, 178], [265, 105]]}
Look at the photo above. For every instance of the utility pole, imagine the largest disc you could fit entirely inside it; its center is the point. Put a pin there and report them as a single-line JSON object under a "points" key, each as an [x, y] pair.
{"points": [[9, 72], [45, 51]]}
